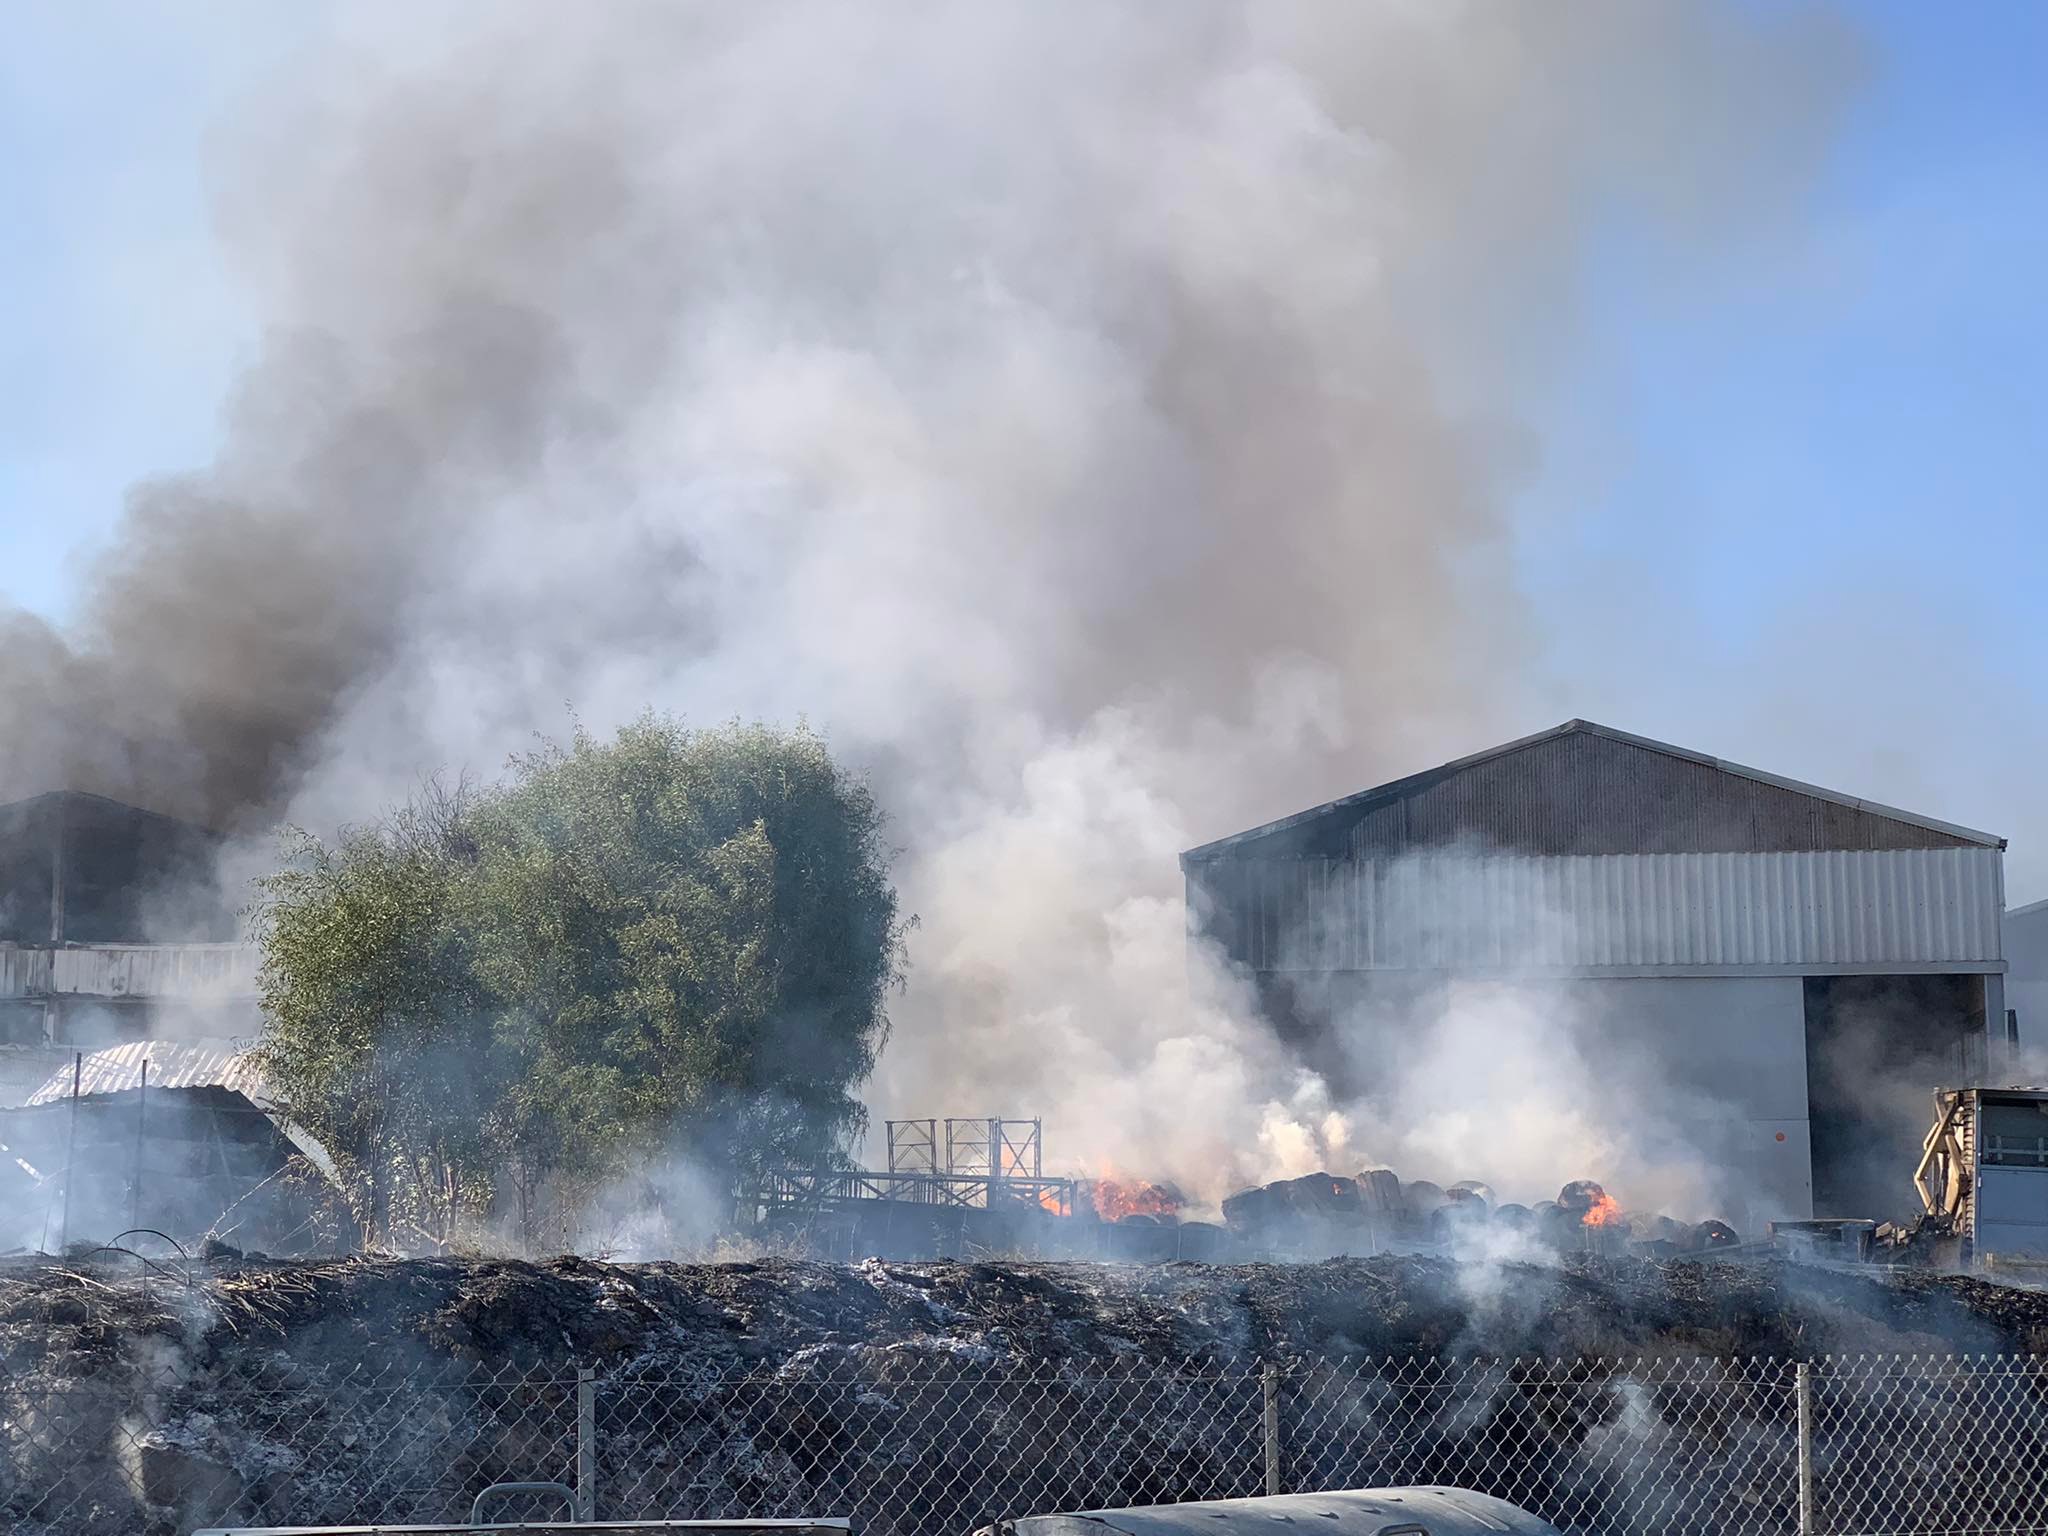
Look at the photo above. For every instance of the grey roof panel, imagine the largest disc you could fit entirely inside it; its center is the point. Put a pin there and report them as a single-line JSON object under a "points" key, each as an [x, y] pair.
{"points": [[1586, 788]]}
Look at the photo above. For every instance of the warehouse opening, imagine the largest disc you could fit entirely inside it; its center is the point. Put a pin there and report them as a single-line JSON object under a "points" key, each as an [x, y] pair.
{"points": [[1876, 1048]]}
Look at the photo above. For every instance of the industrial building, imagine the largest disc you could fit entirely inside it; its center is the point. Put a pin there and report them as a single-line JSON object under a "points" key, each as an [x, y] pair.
{"points": [[177, 1140], [2026, 977], [112, 929], [1794, 970]]}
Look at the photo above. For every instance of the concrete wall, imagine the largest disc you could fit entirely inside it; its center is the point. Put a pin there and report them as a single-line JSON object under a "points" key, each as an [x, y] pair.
{"points": [[1704, 1073], [1712, 1068]]}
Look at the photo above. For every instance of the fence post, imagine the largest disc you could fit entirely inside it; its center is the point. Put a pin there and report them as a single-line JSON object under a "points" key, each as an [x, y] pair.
{"points": [[1802, 1387], [586, 1443], [1271, 1384]]}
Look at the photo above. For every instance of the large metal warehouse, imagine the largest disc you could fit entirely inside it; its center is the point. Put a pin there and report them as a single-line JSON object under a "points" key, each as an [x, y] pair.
{"points": [[1799, 968]]}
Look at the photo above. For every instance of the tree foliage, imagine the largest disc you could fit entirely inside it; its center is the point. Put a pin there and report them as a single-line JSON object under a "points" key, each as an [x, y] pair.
{"points": [[674, 944]]}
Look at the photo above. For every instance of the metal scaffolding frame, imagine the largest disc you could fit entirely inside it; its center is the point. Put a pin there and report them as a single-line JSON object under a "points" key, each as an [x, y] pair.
{"points": [[992, 1148], [827, 1188], [988, 1161], [913, 1146]]}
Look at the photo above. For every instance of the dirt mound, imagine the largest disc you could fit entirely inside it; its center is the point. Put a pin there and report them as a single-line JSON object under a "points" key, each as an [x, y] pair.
{"points": [[64, 1320], [922, 1397]]}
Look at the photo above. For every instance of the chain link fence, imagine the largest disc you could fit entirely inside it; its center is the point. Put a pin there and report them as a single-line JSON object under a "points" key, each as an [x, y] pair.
{"points": [[927, 1442]]}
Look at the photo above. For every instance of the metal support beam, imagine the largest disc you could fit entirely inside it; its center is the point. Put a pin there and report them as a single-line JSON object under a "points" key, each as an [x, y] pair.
{"points": [[1270, 1390], [1802, 1386], [586, 1444]]}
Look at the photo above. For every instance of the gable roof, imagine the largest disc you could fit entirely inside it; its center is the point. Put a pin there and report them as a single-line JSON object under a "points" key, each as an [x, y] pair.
{"points": [[1761, 797], [104, 806]]}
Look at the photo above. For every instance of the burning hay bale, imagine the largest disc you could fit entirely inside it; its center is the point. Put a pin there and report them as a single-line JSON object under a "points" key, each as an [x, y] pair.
{"points": [[1113, 1199], [1324, 1213], [1707, 1236], [1588, 1204], [1380, 1188], [1423, 1200], [1464, 1213], [1654, 1229], [1317, 1211]]}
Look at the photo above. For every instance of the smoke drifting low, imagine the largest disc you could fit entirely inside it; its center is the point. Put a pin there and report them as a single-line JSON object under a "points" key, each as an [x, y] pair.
{"points": [[1080, 412]]}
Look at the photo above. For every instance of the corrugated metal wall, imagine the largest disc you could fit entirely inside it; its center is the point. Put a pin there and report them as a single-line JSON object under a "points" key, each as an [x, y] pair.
{"points": [[24, 972], [1770, 911], [168, 971], [157, 970]]}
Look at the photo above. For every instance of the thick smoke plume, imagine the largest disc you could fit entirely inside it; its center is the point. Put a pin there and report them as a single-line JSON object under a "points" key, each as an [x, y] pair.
{"points": [[1085, 413]]}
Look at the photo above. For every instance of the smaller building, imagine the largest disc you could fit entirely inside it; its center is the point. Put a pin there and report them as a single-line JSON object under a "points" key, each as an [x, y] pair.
{"points": [[176, 1139], [2026, 980], [82, 869], [113, 928], [1986, 1170]]}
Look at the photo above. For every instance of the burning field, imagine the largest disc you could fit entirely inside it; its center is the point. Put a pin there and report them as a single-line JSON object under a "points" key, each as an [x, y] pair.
{"points": [[66, 1321], [918, 1396], [1316, 1216]]}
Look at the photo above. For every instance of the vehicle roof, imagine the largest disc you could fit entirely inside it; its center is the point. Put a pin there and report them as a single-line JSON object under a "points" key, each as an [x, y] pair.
{"points": [[1436, 1510]]}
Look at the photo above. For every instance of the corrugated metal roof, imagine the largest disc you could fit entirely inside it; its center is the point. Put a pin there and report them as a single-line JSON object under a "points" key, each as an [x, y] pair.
{"points": [[1589, 789], [172, 1064], [103, 805], [1786, 913]]}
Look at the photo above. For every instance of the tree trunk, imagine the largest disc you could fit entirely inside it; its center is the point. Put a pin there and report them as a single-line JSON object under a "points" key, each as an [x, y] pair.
{"points": [[380, 1200]]}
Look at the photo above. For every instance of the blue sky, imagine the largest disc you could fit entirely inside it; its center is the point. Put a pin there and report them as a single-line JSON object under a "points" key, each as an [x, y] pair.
{"points": [[1811, 501], [122, 327], [1796, 518]]}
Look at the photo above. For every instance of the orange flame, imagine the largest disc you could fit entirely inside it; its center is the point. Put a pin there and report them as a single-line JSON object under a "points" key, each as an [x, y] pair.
{"points": [[1605, 1212], [1115, 1199]]}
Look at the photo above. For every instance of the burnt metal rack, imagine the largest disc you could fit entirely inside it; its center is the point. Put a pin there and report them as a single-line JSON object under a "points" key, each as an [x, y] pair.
{"points": [[825, 1188], [977, 1163], [982, 1147]]}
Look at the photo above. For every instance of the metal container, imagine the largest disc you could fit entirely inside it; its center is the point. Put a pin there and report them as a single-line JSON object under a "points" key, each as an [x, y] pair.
{"points": [[1425, 1511], [1984, 1170]]}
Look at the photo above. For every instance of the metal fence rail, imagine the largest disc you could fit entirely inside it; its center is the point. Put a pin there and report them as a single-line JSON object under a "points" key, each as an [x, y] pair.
{"points": [[936, 1442]]}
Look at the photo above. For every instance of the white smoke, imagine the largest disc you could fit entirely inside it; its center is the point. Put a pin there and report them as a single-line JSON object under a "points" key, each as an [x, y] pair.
{"points": [[1079, 411]]}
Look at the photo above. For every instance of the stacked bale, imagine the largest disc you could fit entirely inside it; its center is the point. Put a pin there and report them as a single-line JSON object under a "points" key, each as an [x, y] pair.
{"points": [[1326, 1214]]}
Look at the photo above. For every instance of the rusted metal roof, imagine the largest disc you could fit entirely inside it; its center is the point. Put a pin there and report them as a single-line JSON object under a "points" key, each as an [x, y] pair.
{"points": [[172, 1064]]}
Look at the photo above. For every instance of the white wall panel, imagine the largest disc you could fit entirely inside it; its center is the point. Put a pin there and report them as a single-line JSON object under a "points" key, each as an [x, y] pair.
{"points": [[170, 971], [1759, 912]]}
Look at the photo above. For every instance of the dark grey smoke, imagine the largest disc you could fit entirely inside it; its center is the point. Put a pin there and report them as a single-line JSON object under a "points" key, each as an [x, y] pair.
{"points": [[1086, 412], [227, 625]]}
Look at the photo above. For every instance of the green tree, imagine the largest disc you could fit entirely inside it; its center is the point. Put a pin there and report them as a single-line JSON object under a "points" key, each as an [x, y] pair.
{"points": [[376, 1036], [674, 944]]}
